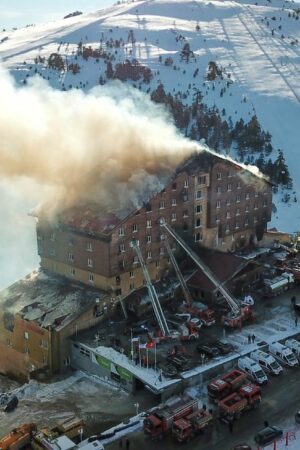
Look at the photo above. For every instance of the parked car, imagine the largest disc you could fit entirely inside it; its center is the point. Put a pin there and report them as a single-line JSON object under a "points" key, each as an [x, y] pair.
{"points": [[222, 346], [242, 447], [11, 404], [136, 330], [208, 350], [267, 435], [168, 369]]}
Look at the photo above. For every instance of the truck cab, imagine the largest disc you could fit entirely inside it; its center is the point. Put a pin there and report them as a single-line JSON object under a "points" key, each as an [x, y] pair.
{"points": [[284, 354], [267, 362], [294, 346], [253, 370]]}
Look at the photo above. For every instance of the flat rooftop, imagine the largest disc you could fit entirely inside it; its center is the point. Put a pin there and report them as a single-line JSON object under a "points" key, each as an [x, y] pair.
{"points": [[48, 300]]}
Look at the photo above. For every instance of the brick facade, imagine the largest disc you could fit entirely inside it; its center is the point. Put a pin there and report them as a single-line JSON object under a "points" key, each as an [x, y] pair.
{"points": [[209, 200]]}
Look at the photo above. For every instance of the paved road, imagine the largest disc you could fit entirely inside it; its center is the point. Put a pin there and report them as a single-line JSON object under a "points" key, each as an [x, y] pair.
{"points": [[281, 399]]}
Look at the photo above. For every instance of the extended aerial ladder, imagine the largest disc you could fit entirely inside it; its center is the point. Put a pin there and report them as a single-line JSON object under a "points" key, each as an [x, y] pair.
{"points": [[160, 317], [185, 289], [219, 286]]}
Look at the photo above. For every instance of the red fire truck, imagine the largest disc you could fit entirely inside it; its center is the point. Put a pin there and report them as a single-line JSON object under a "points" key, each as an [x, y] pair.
{"points": [[226, 384]]}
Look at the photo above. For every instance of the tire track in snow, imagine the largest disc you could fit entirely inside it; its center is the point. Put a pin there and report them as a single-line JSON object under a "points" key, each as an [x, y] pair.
{"points": [[283, 77]]}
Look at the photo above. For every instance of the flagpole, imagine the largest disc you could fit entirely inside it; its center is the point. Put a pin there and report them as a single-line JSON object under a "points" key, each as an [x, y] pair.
{"points": [[140, 358], [131, 346], [155, 356], [147, 358]]}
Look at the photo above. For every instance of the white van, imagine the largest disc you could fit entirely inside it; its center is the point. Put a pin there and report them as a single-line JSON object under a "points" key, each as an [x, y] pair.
{"points": [[283, 353], [294, 346], [253, 370], [267, 362]]}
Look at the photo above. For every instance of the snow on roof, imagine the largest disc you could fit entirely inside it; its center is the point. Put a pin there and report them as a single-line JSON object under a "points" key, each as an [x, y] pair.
{"points": [[149, 376], [48, 300]]}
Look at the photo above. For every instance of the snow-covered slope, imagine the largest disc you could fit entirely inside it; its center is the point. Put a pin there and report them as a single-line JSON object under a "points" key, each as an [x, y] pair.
{"points": [[257, 45]]}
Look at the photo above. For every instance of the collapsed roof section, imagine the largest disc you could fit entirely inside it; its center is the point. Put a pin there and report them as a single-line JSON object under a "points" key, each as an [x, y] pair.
{"points": [[47, 300]]}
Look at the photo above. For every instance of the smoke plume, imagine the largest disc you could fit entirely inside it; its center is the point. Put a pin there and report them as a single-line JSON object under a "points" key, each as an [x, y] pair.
{"points": [[111, 145]]}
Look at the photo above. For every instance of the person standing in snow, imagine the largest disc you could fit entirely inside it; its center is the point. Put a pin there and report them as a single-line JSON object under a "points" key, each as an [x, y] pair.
{"points": [[296, 322], [127, 443]]}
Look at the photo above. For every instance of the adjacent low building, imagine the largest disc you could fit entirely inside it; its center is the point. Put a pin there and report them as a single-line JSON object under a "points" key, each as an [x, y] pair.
{"points": [[37, 316]]}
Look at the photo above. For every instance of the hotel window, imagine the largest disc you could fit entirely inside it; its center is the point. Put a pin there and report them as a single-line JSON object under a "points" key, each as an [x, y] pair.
{"points": [[131, 274], [157, 264], [118, 281], [227, 229], [247, 209], [161, 205], [89, 246], [255, 219], [246, 222], [228, 215], [198, 237], [201, 180], [161, 251], [131, 286], [148, 207], [71, 242], [174, 187], [237, 225], [149, 239], [185, 213], [121, 248], [134, 228], [186, 183], [219, 176], [149, 224], [265, 203], [26, 335], [199, 195], [218, 204], [52, 237], [90, 262], [135, 260], [91, 278], [121, 232], [52, 252], [228, 203], [173, 218], [185, 227], [238, 198], [238, 185], [255, 206], [219, 190], [149, 255], [229, 187], [71, 257], [199, 209], [238, 212], [217, 219], [72, 271], [173, 201], [247, 196], [198, 223]]}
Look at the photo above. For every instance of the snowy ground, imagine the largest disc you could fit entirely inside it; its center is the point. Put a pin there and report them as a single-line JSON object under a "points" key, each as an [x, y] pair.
{"points": [[99, 405]]}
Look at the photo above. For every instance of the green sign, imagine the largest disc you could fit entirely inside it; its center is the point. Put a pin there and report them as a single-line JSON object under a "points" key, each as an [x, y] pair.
{"points": [[124, 373], [104, 362]]}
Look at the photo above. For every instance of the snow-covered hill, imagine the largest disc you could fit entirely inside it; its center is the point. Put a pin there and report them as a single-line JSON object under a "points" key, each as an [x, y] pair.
{"points": [[256, 45]]}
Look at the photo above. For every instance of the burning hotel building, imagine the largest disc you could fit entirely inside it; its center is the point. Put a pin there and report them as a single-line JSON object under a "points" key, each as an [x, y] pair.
{"points": [[210, 200]]}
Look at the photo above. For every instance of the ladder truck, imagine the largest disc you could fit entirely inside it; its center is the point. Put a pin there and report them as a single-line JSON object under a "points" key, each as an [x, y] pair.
{"points": [[159, 314], [237, 314]]}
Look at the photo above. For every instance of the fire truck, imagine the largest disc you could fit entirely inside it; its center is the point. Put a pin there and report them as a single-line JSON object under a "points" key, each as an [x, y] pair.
{"points": [[159, 421], [231, 407], [184, 429], [19, 437], [226, 384]]}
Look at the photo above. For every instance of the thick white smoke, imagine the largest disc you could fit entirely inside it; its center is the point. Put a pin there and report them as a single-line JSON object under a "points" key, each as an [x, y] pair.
{"points": [[110, 145]]}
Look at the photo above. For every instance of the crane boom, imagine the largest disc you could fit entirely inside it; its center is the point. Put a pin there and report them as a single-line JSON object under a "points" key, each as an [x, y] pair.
{"points": [[160, 317], [186, 292], [226, 294]]}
